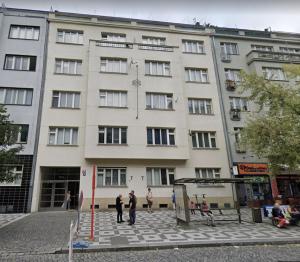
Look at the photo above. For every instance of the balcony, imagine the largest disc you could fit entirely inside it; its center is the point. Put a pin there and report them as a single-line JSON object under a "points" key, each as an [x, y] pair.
{"points": [[235, 114], [225, 57], [230, 85], [105, 43], [277, 57], [240, 147]]}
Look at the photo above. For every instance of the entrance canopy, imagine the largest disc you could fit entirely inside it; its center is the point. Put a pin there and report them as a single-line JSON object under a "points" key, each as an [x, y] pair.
{"points": [[213, 181]]}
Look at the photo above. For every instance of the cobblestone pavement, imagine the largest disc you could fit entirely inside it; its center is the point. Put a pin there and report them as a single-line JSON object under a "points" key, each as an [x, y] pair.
{"points": [[42, 232], [159, 228], [285, 253], [6, 219]]}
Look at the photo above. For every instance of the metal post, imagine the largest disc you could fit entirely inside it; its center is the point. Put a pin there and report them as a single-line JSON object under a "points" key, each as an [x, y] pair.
{"points": [[93, 203], [71, 242]]}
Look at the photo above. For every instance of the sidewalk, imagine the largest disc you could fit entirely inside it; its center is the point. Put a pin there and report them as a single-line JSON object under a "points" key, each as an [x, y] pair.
{"points": [[159, 230], [6, 219]]}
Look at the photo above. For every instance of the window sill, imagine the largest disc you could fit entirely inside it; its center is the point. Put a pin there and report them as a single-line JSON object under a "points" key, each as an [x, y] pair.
{"points": [[205, 148], [68, 108], [67, 74], [275, 80], [112, 186], [196, 114], [158, 109], [162, 186], [114, 107], [159, 75], [112, 144], [14, 104], [113, 73], [66, 43], [161, 146], [63, 145], [12, 38], [19, 70], [194, 53], [196, 82]]}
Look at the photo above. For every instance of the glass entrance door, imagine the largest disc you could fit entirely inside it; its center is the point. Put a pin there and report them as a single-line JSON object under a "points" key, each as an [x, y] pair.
{"points": [[53, 194]]}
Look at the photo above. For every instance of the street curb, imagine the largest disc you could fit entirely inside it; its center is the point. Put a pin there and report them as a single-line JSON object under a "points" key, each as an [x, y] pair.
{"points": [[158, 246]]}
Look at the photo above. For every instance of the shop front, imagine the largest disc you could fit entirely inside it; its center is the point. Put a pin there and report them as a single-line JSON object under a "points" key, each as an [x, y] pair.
{"points": [[289, 187], [257, 193]]}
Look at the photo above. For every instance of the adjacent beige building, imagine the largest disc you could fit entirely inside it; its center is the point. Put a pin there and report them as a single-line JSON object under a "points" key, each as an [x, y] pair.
{"points": [[136, 99]]}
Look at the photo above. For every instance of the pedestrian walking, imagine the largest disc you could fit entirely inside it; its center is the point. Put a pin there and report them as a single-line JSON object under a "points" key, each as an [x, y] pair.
{"points": [[149, 198], [132, 208], [208, 213], [174, 200], [119, 203], [68, 200]]}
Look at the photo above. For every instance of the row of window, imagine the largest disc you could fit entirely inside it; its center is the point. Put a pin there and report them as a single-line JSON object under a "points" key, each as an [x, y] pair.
{"points": [[117, 135], [156, 176]]}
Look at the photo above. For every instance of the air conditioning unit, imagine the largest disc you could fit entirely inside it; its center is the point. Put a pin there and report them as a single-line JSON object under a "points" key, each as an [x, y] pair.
{"points": [[230, 85]]}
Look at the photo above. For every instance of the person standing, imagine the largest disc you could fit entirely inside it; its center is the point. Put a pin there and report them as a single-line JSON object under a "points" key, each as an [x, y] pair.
{"points": [[149, 198], [174, 200], [119, 203], [68, 200], [132, 208]]}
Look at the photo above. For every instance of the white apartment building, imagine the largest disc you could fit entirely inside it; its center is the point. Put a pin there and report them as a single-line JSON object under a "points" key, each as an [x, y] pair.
{"points": [[136, 99]]}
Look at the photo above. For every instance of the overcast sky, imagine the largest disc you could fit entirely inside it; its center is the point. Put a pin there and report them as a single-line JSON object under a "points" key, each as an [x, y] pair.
{"points": [[280, 15]]}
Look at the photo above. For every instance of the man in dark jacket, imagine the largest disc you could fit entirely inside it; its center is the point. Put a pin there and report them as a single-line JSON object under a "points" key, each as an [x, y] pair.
{"points": [[132, 207], [119, 203]]}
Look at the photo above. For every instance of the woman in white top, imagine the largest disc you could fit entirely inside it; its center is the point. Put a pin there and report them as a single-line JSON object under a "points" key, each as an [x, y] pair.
{"points": [[149, 198]]}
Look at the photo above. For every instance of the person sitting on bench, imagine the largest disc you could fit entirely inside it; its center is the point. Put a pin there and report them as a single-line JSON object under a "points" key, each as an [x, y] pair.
{"points": [[205, 211], [277, 214]]}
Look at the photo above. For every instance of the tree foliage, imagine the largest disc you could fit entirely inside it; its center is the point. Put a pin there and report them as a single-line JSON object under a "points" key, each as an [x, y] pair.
{"points": [[8, 148], [273, 132]]}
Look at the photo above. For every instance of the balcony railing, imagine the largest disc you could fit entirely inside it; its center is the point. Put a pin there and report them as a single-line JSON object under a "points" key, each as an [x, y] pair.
{"points": [[240, 147], [279, 57], [235, 114], [230, 85], [105, 43], [156, 47]]}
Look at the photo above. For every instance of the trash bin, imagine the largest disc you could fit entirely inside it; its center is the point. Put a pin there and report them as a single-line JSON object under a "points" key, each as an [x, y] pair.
{"points": [[256, 215]]}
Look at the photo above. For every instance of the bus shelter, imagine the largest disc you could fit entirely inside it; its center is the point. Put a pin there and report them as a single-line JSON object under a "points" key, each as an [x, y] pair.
{"points": [[182, 200]]}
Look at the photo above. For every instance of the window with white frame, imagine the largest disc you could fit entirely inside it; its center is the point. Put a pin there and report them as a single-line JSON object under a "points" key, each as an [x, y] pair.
{"points": [[208, 172], [203, 139], [196, 75], [289, 50], [69, 36], [160, 136], [157, 68], [159, 101], [237, 134], [22, 134], [272, 73], [229, 48], [24, 32], [233, 74], [112, 135], [160, 176], [16, 172], [113, 37], [192, 46], [150, 40], [200, 106], [262, 48], [113, 65], [109, 98], [111, 176], [240, 103], [15, 96], [68, 66], [20, 62], [63, 136], [65, 99]]}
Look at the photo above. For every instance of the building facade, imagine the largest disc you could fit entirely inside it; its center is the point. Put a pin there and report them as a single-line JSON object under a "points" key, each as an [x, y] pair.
{"points": [[136, 100], [262, 53], [22, 48]]}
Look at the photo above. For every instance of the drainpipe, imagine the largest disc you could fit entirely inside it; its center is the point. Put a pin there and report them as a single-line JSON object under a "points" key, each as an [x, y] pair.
{"points": [[39, 116], [224, 122]]}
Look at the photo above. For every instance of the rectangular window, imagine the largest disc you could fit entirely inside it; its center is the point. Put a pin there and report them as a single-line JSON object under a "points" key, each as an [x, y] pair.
{"points": [[157, 68], [200, 106], [113, 65], [203, 139], [112, 135], [192, 46], [63, 136], [62, 99], [272, 73], [111, 177], [240, 103], [15, 96], [67, 66], [196, 75], [229, 48], [24, 32], [289, 50], [237, 134], [155, 43], [160, 176], [23, 134], [150, 40], [233, 74], [160, 136], [69, 36], [111, 38], [262, 48], [159, 101], [208, 172], [113, 98], [16, 172], [20, 63]]}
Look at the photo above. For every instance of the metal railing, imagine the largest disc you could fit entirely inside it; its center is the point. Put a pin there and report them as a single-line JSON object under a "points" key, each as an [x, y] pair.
{"points": [[281, 57]]}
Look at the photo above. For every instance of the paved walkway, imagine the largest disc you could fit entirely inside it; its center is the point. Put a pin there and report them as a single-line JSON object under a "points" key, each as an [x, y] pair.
{"points": [[6, 219], [159, 229]]}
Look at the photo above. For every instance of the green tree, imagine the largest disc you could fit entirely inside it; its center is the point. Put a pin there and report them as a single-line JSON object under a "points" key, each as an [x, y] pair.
{"points": [[273, 132], [8, 148]]}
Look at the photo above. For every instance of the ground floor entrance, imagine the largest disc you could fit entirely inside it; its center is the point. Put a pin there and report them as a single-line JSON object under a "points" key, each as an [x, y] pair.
{"points": [[56, 182], [289, 187]]}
